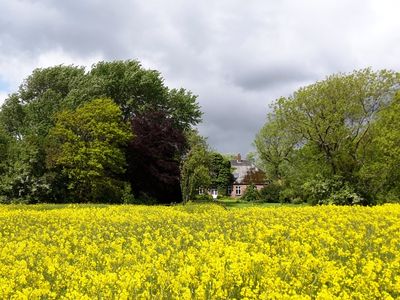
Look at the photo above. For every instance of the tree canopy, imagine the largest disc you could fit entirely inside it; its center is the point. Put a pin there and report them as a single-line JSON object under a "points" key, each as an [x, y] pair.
{"points": [[325, 130], [32, 118], [154, 157], [86, 144], [203, 168]]}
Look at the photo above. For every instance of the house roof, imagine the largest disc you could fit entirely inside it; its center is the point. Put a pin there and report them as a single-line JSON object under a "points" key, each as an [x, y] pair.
{"points": [[244, 172], [236, 162]]}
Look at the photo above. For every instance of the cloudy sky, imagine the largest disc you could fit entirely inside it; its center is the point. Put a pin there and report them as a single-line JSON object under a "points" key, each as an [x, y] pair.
{"points": [[237, 56]]}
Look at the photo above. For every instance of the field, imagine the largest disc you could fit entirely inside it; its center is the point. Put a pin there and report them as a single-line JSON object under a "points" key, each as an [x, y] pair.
{"points": [[199, 252]]}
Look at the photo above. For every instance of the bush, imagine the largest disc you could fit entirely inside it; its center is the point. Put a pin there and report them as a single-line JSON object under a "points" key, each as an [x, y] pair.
{"points": [[127, 195], [287, 195], [271, 193], [297, 200], [203, 197], [142, 199], [333, 190], [251, 193]]}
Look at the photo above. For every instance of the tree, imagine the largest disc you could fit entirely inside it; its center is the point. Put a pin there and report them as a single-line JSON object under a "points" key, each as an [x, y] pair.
{"points": [[31, 109], [4, 145], [380, 173], [154, 157], [28, 115], [203, 168], [326, 126], [12, 117], [195, 169], [136, 91], [251, 193], [142, 96], [336, 114], [220, 172], [274, 146], [86, 145], [22, 176]]}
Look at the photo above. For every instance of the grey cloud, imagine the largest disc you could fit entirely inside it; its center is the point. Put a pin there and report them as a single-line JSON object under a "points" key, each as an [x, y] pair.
{"points": [[238, 57], [266, 77]]}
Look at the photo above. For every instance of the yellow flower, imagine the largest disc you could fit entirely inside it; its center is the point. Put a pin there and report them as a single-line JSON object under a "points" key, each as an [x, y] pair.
{"points": [[199, 252]]}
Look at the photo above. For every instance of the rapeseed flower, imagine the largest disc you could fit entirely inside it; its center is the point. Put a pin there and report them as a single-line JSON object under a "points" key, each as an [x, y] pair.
{"points": [[199, 252]]}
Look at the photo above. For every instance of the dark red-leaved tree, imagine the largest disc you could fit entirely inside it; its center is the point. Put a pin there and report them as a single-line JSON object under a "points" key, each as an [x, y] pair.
{"points": [[154, 157]]}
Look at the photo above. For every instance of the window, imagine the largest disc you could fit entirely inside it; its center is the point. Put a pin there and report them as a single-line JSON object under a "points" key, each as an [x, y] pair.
{"points": [[229, 190], [238, 190], [201, 191]]}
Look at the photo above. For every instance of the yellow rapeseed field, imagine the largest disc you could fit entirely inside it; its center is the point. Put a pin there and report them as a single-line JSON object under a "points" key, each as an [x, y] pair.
{"points": [[199, 252]]}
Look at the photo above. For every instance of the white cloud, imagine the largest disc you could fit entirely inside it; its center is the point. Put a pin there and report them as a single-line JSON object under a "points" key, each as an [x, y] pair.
{"points": [[14, 69]]}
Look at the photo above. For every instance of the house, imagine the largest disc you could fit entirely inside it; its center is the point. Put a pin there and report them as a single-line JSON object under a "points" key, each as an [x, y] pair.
{"points": [[245, 173]]}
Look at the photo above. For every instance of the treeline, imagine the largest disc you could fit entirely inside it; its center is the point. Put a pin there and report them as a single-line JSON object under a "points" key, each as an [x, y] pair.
{"points": [[114, 133], [336, 141], [117, 134]]}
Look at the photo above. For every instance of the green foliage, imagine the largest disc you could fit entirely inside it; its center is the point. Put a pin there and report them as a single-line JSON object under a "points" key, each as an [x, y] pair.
{"points": [[203, 168], [274, 146], [28, 115], [86, 144], [4, 148], [271, 192], [251, 194], [183, 108], [289, 194], [127, 195], [22, 173], [331, 191], [220, 172], [203, 197], [194, 172], [328, 129], [380, 172], [136, 91], [12, 117]]}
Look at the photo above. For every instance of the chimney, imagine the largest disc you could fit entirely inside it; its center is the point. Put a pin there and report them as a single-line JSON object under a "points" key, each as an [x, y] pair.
{"points": [[239, 158]]}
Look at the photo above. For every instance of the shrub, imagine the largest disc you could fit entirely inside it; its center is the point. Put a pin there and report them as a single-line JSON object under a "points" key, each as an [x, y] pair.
{"points": [[127, 195], [271, 192], [333, 190], [251, 193], [297, 200], [203, 197], [287, 195]]}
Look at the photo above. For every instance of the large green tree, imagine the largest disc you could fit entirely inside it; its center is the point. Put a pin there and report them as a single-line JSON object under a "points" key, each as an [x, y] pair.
{"points": [[195, 171], [220, 172], [380, 172], [324, 129], [30, 110], [136, 90], [274, 147], [27, 115], [203, 168], [86, 144]]}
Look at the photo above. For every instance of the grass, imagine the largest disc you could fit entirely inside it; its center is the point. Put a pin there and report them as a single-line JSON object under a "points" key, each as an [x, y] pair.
{"points": [[237, 203], [229, 203]]}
